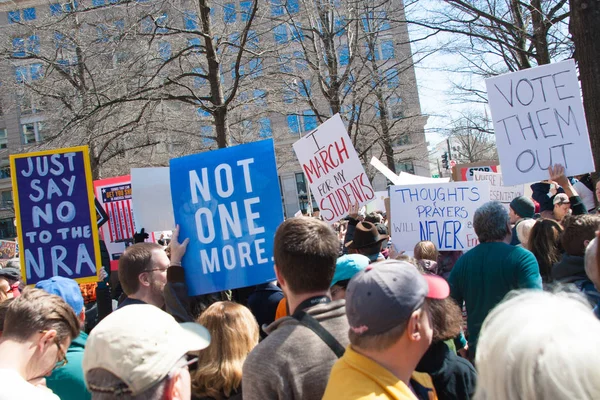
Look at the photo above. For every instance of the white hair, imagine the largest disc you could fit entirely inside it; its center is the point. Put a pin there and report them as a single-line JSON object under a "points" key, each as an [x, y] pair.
{"points": [[524, 229], [591, 262], [539, 346]]}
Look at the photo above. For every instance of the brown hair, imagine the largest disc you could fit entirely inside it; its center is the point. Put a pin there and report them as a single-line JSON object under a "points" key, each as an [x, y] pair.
{"points": [[446, 319], [578, 229], [426, 250], [3, 309], [305, 251], [544, 243], [234, 333], [135, 260], [36, 310]]}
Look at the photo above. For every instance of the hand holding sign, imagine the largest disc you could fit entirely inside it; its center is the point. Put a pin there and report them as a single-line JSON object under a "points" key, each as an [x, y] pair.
{"points": [[177, 249]]}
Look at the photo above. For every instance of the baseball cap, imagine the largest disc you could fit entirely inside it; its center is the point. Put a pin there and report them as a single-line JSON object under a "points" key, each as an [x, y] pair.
{"points": [[385, 294], [140, 344], [348, 265], [65, 288], [561, 198]]}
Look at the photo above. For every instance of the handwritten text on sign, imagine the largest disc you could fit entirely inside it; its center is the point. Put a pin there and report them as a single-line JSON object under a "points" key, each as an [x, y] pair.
{"points": [[441, 213], [57, 225], [228, 203], [499, 192], [539, 121], [333, 169]]}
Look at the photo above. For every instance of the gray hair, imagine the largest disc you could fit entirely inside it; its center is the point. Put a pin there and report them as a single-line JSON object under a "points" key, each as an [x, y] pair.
{"points": [[591, 266], [539, 345], [491, 222]]}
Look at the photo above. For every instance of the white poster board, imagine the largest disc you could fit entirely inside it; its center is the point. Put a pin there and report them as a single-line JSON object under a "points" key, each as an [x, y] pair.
{"points": [[499, 192], [379, 203], [336, 176], [151, 199], [439, 212], [539, 121], [407, 179]]}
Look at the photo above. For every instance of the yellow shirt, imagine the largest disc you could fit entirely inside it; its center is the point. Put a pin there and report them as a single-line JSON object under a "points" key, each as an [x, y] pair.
{"points": [[356, 377]]}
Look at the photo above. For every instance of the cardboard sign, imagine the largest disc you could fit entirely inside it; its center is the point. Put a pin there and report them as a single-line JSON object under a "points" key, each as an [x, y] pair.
{"points": [[499, 192], [466, 172], [336, 176], [539, 121], [151, 197], [228, 203], [441, 213], [8, 250], [56, 217], [114, 196]]}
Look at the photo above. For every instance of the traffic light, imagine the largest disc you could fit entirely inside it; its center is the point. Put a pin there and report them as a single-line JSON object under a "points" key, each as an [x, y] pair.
{"points": [[445, 160]]}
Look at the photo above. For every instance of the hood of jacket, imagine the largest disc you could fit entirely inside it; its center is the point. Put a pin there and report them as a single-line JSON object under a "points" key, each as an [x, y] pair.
{"points": [[569, 269]]}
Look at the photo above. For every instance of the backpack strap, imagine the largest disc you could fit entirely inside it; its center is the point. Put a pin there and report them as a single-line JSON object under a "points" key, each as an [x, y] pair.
{"points": [[314, 325]]}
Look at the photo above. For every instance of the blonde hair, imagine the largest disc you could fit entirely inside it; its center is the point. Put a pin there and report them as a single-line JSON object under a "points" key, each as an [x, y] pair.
{"points": [[426, 250], [234, 333], [524, 230], [539, 345]]}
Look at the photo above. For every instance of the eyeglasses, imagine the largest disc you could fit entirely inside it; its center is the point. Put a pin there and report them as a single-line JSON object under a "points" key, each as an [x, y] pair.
{"points": [[62, 360], [157, 269]]}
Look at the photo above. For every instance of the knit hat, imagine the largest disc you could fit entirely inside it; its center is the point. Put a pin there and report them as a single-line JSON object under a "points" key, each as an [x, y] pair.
{"points": [[523, 206]]}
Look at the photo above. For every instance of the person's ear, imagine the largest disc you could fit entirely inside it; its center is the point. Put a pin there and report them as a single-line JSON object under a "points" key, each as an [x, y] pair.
{"points": [[279, 277], [174, 389], [144, 279], [586, 242], [413, 328], [46, 340]]}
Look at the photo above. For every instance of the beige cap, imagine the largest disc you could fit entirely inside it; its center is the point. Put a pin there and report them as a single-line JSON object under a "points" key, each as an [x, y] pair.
{"points": [[141, 344], [561, 198]]}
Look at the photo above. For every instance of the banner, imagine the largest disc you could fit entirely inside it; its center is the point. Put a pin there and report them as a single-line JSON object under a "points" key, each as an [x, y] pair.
{"points": [[227, 202], [56, 217], [151, 197], [8, 250], [466, 172], [336, 176], [441, 213], [539, 121], [499, 192]]}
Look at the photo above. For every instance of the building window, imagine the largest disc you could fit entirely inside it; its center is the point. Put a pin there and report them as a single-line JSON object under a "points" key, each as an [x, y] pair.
{"points": [[229, 15], [161, 22], [387, 50], [207, 134], [280, 34], [277, 9], [97, 3], [28, 73], [198, 80], [405, 166], [32, 132], [403, 140], [301, 64], [3, 139], [392, 78], [164, 50], [190, 20], [259, 97], [344, 54], [245, 10], [310, 120], [396, 107], [302, 194], [55, 9], [14, 16], [147, 25], [256, 67], [18, 45], [293, 122], [293, 6], [265, 128], [296, 31], [195, 44]]}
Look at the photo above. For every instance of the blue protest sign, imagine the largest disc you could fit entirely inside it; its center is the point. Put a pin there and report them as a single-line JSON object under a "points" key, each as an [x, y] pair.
{"points": [[228, 203], [56, 217]]}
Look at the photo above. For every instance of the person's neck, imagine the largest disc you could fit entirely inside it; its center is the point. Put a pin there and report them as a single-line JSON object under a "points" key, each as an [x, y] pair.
{"points": [[16, 356], [294, 300], [400, 364], [147, 298]]}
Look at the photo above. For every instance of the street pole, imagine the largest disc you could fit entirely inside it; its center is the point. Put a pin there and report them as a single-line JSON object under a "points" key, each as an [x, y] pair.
{"points": [[449, 152], [306, 183]]}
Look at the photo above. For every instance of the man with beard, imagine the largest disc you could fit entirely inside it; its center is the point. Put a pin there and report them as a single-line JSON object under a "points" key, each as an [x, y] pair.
{"points": [[143, 274]]}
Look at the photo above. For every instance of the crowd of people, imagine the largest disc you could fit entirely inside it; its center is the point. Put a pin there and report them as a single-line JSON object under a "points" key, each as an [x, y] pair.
{"points": [[348, 317]]}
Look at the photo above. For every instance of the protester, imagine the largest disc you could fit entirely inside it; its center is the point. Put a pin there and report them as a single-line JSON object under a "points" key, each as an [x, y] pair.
{"points": [[584, 186], [68, 381], [521, 208], [293, 362], [234, 333], [389, 333], [562, 207], [591, 267], [579, 231], [427, 255], [486, 273], [454, 378], [367, 241], [544, 243], [10, 277], [38, 330], [143, 274], [523, 231], [139, 353], [345, 268], [263, 302], [545, 195], [539, 346]]}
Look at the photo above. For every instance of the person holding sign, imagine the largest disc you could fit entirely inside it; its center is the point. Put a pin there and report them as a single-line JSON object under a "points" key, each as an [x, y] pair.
{"points": [[485, 274]]}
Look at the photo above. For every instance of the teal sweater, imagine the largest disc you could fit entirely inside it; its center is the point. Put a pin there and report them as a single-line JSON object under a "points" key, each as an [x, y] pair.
{"points": [[484, 275], [68, 382]]}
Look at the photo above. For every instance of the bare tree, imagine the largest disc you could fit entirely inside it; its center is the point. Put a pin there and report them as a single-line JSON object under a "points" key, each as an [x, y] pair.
{"points": [[471, 139]]}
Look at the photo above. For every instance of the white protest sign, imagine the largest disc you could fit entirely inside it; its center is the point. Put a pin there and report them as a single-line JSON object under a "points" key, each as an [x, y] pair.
{"points": [[337, 178], [439, 212], [151, 199], [499, 192], [539, 121], [385, 170], [379, 203], [405, 179]]}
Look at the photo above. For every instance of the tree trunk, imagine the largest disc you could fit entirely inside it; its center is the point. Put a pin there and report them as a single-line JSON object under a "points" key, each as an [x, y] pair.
{"points": [[585, 29]]}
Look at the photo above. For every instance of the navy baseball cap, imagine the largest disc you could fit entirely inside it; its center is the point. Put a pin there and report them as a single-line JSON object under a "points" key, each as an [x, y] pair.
{"points": [[385, 294], [65, 288]]}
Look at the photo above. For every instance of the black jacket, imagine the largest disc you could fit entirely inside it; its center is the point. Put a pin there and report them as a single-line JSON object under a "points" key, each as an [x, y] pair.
{"points": [[454, 378]]}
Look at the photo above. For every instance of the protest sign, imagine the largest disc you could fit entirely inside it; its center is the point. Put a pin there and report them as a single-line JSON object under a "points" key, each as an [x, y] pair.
{"points": [[114, 196], [8, 250], [56, 217], [439, 212], [101, 215], [539, 121], [499, 192], [337, 178], [151, 198], [407, 179], [385, 171], [227, 202], [379, 203], [466, 172]]}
